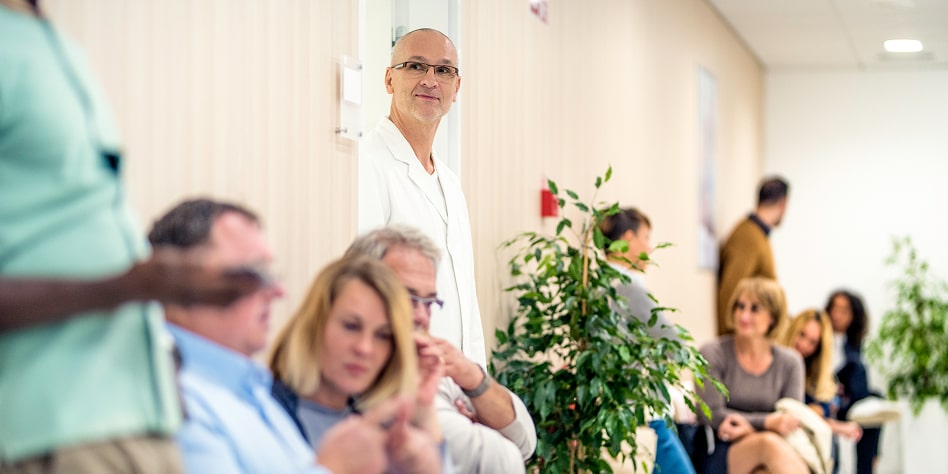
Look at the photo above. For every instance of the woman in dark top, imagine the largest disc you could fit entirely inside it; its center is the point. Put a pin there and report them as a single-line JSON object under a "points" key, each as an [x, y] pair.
{"points": [[748, 433], [850, 322]]}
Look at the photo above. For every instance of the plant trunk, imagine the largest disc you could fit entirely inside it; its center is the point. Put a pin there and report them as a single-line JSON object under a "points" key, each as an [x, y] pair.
{"points": [[577, 452], [585, 268]]}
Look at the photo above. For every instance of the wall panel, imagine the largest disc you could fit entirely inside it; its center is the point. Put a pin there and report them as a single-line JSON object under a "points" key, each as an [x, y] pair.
{"points": [[605, 82], [235, 99]]}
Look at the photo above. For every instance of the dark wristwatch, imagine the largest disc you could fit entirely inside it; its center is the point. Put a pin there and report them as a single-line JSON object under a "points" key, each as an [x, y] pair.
{"points": [[481, 387]]}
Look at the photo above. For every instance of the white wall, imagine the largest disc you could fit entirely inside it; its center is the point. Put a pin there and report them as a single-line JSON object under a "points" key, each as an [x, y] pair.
{"points": [[567, 98], [866, 155], [237, 100]]}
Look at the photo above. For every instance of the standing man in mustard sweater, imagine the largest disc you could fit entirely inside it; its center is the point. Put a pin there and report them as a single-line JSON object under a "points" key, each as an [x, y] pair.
{"points": [[746, 252]]}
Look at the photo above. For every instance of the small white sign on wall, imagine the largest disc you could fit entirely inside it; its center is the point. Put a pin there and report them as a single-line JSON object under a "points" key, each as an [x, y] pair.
{"points": [[350, 95], [352, 85]]}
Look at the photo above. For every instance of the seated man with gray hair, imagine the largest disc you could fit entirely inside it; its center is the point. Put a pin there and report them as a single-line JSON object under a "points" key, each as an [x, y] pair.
{"points": [[487, 428]]}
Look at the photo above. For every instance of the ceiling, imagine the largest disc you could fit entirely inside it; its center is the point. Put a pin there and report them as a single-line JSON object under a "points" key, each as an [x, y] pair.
{"points": [[839, 34]]}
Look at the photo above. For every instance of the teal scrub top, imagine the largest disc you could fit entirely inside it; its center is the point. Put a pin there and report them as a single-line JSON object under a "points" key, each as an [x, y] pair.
{"points": [[63, 213]]}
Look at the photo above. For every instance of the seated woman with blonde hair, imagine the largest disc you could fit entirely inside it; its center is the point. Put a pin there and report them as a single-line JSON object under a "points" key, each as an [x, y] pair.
{"points": [[811, 335], [747, 432], [349, 348]]}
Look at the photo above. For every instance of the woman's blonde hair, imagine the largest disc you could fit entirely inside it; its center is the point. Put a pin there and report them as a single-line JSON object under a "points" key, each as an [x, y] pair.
{"points": [[294, 358], [820, 383], [770, 295]]}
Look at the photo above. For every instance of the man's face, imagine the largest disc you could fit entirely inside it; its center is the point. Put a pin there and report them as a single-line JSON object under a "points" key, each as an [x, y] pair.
{"points": [[417, 273], [425, 98], [237, 242], [783, 210]]}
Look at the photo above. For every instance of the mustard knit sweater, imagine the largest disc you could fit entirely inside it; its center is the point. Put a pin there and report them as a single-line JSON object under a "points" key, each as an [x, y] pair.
{"points": [[746, 253]]}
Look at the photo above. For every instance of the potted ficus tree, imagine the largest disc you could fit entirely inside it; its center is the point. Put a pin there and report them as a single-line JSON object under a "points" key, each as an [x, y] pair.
{"points": [[911, 352], [588, 372]]}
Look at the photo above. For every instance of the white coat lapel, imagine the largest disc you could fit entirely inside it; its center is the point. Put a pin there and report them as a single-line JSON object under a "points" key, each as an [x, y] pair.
{"points": [[401, 150], [454, 200], [417, 174]]}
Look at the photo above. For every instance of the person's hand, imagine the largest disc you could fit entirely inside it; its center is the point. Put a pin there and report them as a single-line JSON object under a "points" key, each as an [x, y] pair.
{"points": [[411, 450], [179, 277], [462, 370], [847, 429], [734, 427], [359, 444], [466, 411], [431, 364], [430, 373], [781, 423]]}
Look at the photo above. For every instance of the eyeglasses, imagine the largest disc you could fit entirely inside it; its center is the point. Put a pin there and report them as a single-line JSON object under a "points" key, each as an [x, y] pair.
{"points": [[417, 301], [443, 72], [259, 272]]}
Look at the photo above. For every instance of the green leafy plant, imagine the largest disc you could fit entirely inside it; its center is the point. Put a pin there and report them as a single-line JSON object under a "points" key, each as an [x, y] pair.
{"points": [[911, 348], [589, 373]]}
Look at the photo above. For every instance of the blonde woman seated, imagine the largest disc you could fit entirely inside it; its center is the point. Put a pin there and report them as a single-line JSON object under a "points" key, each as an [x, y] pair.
{"points": [[811, 335], [350, 348], [747, 433]]}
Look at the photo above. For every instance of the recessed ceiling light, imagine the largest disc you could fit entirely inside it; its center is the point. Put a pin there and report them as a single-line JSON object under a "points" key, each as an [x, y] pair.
{"points": [[903, 46]]}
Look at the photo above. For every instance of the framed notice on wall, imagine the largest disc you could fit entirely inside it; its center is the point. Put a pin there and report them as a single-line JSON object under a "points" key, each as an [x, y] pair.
{"points": [[708, 133]]}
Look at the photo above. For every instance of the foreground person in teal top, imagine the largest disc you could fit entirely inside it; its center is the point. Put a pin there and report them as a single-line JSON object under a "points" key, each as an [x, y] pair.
{"points": [[86, 376]]}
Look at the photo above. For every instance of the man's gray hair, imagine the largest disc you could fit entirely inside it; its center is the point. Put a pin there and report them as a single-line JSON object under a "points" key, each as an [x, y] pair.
{"points": [[377, 243]]}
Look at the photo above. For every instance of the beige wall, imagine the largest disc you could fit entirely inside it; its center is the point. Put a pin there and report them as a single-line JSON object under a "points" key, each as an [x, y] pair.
{"points": [[238, 99], [605, 82]]}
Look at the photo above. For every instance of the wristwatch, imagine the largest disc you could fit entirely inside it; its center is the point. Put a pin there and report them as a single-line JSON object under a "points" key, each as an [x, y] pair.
{"points": [[481, 387]]}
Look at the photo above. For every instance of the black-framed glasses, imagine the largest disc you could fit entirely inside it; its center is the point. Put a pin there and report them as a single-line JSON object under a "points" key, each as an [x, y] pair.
{"points": [[417, 301], [443, 72], [260, 272]]}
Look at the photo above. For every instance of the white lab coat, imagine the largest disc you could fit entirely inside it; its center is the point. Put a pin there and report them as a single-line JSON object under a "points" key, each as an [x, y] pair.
{"points": [[391, 191]]}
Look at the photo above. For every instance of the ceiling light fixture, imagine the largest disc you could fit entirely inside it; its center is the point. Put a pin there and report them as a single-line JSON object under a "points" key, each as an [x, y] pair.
{"points": [[903, 46]]}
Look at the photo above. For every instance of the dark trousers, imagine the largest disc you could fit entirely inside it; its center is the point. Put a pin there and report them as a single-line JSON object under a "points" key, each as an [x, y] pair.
{"points": [[867, 449], [713, 462]]}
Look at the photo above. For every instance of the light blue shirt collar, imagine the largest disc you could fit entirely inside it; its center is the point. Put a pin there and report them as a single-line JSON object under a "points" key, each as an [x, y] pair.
{"points": [[218, 364]]}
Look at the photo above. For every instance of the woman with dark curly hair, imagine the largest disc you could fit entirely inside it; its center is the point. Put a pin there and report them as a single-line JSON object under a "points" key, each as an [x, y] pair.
{"points": [[850, 322]]}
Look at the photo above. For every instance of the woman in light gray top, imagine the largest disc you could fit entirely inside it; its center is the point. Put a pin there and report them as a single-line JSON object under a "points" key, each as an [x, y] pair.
{"points": [[757, 372], [635, 228]]}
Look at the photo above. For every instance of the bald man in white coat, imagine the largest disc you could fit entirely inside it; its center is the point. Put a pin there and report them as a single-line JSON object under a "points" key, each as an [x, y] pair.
{"points": [[401, 182]]}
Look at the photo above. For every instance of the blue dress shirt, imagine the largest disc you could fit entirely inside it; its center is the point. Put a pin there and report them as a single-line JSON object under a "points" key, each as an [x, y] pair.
{"points": [[233, 424]]}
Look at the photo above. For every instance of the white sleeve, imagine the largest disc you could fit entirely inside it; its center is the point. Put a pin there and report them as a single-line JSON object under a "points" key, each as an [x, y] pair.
{"points": [[476, 448], [521, 431]]}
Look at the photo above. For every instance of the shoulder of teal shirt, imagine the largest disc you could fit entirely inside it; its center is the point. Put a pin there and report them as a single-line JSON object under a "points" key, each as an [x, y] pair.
{"points": [[98, 375]]}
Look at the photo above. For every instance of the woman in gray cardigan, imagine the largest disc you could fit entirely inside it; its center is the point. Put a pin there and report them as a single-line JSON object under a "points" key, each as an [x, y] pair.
{"points": [[748, 433]]}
